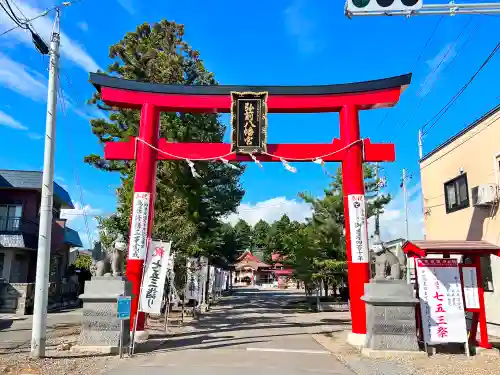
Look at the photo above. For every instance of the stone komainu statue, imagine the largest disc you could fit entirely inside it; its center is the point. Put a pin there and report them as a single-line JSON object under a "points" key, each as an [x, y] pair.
{"points": [[112, 263], [387, 265]]}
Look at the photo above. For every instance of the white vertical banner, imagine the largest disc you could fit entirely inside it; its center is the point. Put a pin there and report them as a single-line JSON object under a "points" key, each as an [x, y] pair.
{"points": [[211, 281], [155, 274], [193, 290], [357, 228], [139, 226], [440, 293], [471, 291], [218, 280]]}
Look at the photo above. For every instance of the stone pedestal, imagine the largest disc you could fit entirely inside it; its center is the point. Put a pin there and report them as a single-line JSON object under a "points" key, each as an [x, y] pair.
{"points": [[100, 325], [390, 316]]}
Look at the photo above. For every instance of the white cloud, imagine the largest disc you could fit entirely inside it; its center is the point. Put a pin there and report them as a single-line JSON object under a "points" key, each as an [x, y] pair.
{"points": [[10, 122], [70, 49], [392, 221], [301, 27], [76, 220], [128, 6], [22, 79], [79, 211], [83, 26], [271, 210], [392, 224], [436, 65], [35, 136]]}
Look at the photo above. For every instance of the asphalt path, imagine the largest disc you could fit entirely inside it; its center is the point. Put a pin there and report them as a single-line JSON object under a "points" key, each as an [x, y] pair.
{"points": [[248, 333]]}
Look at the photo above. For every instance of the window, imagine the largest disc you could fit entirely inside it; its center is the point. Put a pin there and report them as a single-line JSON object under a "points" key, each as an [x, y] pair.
{"points": [[456, 194], [2, 262], [10, 217]]}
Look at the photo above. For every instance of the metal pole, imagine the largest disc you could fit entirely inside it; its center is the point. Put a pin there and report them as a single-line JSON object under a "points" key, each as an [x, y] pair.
{"points": [[38, 333], [377, 216], [420, 144], [407, 234], [405, 196]]}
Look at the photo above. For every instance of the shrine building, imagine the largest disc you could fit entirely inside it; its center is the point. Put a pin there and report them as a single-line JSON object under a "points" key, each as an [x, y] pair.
{"points": [[251, 270]]}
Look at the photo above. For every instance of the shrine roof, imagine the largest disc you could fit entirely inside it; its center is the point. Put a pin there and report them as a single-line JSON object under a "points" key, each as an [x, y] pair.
{"points": [[100, 80], [250, 260], [422, 248]]}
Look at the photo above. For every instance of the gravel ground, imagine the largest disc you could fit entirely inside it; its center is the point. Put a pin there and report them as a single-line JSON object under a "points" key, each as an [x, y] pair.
{"points": [[14, 357], [59, 361], [440, 364]]}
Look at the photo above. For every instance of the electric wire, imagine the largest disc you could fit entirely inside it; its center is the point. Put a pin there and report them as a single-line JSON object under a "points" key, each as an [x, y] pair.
{"points": [[13, 17], [454, 99], [62, 102], [13, 13], [43, 14], [416, 62], [433, 74]]}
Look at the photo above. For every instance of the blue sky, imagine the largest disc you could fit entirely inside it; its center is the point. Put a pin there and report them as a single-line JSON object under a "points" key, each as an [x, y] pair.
{"points": [[292, 42]]}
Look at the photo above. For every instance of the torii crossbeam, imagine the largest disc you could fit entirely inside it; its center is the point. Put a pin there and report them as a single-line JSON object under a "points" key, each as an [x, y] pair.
{"points": [[347, 99]]}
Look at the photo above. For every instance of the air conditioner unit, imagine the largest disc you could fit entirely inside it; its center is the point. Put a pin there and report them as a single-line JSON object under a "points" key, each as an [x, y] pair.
{"points": [[484, 194]]}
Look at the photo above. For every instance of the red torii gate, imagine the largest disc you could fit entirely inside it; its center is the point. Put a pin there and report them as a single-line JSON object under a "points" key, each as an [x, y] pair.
{"points": [[347, 99]]}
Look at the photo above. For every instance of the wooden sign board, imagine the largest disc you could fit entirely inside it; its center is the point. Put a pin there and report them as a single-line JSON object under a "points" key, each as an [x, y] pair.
{"points": [[249, 122]]}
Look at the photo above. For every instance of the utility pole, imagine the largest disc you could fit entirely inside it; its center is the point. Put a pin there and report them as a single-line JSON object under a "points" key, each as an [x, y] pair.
{"points": [[405, 197], [377, 215], [38, 335], [420, 144]]}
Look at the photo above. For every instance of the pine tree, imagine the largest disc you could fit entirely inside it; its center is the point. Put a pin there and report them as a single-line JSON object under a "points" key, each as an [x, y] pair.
{"points": [[187, 209]]}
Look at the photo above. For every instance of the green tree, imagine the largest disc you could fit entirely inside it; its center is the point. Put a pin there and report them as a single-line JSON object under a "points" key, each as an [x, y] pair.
{"points": [[260, 235], [243, 235], [187, 209], [324, 256], [83, 262]]}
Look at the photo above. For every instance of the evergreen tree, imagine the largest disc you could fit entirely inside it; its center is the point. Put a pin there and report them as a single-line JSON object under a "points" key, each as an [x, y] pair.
{"points": [[243, 235], [187, 209], [260, 235]]}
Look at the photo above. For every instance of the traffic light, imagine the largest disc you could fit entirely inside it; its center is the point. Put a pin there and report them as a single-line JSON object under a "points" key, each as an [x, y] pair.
{"points": [[383, 5]]}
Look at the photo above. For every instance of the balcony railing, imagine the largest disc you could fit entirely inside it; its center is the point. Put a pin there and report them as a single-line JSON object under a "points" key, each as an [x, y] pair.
{"points": [[29, 230], [17, 225]]}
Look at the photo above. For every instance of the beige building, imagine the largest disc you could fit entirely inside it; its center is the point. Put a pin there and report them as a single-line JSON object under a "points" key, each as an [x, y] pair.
{"points": [[460, 187]]}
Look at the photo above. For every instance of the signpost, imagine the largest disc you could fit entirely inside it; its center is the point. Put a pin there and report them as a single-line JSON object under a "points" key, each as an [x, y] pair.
{"points": [[441, 302], [123, 305], [471, 291]]}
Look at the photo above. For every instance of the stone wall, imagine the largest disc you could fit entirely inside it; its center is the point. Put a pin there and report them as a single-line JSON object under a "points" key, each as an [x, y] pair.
{"points": [[17, 298]]}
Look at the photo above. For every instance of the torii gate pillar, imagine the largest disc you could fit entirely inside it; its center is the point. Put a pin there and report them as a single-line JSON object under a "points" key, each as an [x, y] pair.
{"points": [[353, 185], [351, 150]]}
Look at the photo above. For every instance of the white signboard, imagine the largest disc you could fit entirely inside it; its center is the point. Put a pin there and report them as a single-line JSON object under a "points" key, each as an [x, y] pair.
{"points": [[471, 292], [443, 315], [193, 289], [139, 229], [357, 228], [155, 274]]}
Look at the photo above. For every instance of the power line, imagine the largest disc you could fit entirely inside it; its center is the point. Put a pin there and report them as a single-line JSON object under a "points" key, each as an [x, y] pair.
{"points": [[43, 14], [453, 100], [416, 61], [493, 120], [75, 169], [432, 75], [12, 16]]}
